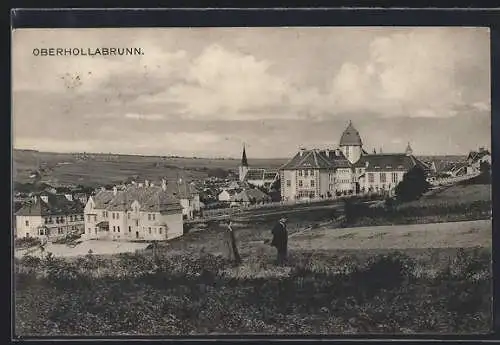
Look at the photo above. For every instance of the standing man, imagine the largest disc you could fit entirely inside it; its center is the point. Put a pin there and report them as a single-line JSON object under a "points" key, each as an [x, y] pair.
{"points": [[232, 247], [280, 240]]}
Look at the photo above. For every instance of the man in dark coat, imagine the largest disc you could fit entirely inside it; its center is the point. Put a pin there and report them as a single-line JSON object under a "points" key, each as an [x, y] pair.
{"points": [[232, 248], [280, 240]]}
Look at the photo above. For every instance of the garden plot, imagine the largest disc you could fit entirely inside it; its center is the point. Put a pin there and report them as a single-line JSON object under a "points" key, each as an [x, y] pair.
{"points": [[437, 235], [98, 247]]}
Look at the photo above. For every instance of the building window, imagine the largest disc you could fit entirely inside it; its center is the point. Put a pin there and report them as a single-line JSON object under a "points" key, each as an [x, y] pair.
{"points": [[371, 178], [118, 228], [114, 228], [128, 215], [382, 177], [149, 217], [117, 216], [129, 229], [300, 183], [154, 215], [312, 183], [70, 218], [300, 173], [306, 172], [288, 183], [113, 215], [27, 223], [40, 232], [104, 213], [81, 218], [394, 177], [150, 231], [137, 222], [160, 230]]}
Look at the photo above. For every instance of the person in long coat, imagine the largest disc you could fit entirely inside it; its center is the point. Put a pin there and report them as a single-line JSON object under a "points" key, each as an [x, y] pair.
{"points": [[280, 240], [231, 246]]}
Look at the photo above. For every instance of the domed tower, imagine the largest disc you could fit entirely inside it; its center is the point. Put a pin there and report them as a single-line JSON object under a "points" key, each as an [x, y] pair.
{"points": [[243, 168], [351, 144]]}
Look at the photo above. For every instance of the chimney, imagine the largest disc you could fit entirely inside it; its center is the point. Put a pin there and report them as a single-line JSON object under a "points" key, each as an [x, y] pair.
{"points": [[164, 184], [115, 190], [69, 197]]}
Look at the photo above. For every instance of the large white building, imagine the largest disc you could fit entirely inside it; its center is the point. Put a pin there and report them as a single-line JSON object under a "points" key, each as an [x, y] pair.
{"points": [[50, 216], [139, 212], [348, 169]]}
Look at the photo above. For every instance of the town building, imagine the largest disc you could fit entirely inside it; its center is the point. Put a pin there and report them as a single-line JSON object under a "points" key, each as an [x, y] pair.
{"points": [[188, 196], [50, 216], [256, 176], [249, 197], [348, 169], [139, 212]]}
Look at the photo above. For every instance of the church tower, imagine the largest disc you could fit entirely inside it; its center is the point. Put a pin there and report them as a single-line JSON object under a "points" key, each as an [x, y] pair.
{"points": [[409, 150], [243, 168], [351, 144]]}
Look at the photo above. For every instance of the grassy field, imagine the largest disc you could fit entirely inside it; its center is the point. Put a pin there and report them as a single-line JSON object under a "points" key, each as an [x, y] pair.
{"points": [[104, 169], [328, 285]]}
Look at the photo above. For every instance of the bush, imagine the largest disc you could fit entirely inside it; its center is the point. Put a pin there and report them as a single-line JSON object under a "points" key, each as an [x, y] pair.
{"points": [[413, 185], [27, 242]]}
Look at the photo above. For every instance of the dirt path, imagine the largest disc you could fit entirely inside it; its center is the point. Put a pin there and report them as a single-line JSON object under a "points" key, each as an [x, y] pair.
{"points": [[435, 235]]}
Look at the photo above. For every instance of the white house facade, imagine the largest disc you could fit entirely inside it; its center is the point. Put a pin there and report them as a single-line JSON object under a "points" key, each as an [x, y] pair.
{"points": [[142, 212]]}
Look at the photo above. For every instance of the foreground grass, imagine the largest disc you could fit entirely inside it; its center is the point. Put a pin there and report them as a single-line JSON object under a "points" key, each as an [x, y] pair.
{"points": [[440, 291]]}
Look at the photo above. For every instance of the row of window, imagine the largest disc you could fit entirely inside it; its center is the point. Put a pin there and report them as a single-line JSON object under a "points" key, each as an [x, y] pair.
{"points": [[45, 231], [301, 183], [60, 220], [305, 173], [158, 230], [383, 177], [116, 215]]}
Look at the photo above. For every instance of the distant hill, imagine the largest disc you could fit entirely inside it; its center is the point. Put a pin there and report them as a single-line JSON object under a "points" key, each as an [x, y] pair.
{"points": [[94, 169]]}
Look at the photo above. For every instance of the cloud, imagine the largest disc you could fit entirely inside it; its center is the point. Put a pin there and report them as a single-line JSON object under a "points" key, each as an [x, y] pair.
{"points": [[145, 117]]}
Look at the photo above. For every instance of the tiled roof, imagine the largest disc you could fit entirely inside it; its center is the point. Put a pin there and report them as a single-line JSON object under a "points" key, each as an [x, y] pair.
{"points": [[182, 190], [251, 194], [317, 159], [152, 198], [389, 162], [56, 205], [350, 136]]}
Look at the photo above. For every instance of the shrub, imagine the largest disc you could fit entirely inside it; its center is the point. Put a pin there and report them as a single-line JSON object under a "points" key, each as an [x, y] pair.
{"points": [[27, 242], [413, 185]]}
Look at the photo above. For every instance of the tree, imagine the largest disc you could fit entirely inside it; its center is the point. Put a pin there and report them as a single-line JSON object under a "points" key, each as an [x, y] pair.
{"points": [[413, 185]]}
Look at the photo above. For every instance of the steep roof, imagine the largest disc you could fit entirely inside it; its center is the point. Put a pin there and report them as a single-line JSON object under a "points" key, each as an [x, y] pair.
{"points": [[244, 161], [317, 159], [55, 205], [350, 136], [151, 198], [474, 156], [389, 162]]}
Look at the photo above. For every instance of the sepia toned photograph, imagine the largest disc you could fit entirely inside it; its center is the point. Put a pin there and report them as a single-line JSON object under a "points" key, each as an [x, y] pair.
{"points": [[251, 181]]}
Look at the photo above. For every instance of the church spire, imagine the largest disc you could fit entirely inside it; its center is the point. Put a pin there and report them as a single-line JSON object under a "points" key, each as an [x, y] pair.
{"points": [[244, 161], [408, 150]]}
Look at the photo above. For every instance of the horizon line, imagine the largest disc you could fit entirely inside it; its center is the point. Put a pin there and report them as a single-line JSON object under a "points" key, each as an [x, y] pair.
{"points": [[205, 157]]}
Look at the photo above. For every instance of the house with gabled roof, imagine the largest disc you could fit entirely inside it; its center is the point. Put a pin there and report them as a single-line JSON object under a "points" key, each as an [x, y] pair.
{"points": [[348, 169], [138, 212], [50, 216]]}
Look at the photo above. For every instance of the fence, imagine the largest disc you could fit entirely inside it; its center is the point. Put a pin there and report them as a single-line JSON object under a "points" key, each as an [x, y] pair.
{"points": [[229, 211]]}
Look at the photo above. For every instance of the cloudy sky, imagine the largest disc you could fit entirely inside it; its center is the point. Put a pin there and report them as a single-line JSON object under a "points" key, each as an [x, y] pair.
{"points": [[206, 91]]}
